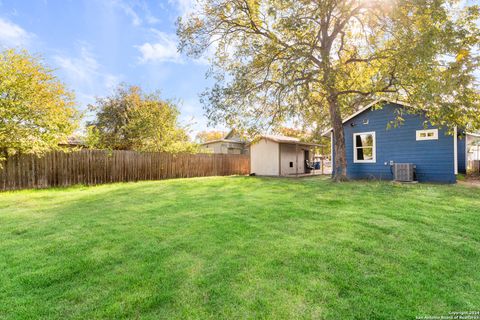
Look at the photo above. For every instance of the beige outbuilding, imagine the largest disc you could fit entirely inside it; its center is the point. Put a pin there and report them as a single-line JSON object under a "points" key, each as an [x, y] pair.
{"points": [[273, 155], [232, 143]]}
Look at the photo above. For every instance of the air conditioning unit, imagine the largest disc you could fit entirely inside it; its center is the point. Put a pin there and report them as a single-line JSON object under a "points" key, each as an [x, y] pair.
{"points": [[404, 172]]}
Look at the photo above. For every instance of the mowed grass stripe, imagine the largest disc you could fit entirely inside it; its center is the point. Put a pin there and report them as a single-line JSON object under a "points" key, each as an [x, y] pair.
{"points": [[240, 247]]}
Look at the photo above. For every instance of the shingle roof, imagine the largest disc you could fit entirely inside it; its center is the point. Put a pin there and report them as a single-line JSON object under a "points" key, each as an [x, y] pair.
{"points": [[279, 138]]}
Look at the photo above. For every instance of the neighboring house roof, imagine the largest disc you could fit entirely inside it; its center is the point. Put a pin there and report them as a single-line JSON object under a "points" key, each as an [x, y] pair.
{"points": [[73, 141], [287, 140], [233, 135], [222, 140], [230, 134], [230, 137], [278, 138]]}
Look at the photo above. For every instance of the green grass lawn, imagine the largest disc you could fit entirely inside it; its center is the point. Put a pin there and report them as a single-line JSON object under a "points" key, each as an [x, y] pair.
{"points": [[240, 247]]}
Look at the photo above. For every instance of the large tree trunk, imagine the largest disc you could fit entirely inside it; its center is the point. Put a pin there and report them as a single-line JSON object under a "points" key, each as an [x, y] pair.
{"points": [[339, 166]]}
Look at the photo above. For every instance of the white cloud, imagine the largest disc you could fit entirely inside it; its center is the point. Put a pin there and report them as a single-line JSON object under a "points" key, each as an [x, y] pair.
{"points": [[111, 81], [191, 116], [85, 75], [184, 7], [128, 10], [136, 21], [12, 35], [80, 69], [151, 19], [138, 11], [163, 50]]}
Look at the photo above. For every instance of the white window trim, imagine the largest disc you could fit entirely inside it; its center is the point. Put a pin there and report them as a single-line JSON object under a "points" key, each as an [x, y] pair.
{"points": [[419, 132], [374, 148]]}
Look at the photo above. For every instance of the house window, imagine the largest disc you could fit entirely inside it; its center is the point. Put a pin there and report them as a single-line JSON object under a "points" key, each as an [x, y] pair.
{"points": [[364, 147], [431, 134], [291, 164]]}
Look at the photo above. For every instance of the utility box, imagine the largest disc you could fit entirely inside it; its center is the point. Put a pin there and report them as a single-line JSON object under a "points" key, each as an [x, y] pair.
{"points": [[404, 172]]}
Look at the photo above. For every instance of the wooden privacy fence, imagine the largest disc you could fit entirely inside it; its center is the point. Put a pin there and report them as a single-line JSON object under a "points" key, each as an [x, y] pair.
{"points": [[90, 167], [473, 166]]}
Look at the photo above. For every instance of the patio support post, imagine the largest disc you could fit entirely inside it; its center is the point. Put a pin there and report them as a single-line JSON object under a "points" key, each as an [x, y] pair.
{"points": [[322, 156], [296, 160], [279, 159], [312, 157]]}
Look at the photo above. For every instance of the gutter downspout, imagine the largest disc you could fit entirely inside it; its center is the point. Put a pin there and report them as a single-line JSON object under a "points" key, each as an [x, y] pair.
{"points": [[455, 150]]}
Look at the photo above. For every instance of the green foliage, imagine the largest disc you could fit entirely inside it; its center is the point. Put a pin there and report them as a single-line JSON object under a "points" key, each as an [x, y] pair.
{"points": [[92, 137], [133, 120], [240, 248], [302, 134], [204, 136], [438, 53], [36, 110]]}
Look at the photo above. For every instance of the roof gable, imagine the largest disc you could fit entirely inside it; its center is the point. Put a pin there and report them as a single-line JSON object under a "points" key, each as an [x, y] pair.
{"points": [[233, 135], [367, 107]]}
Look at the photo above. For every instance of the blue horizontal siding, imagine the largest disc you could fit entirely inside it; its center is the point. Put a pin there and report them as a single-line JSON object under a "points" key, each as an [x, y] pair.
{"points": [[461, 151], [434, 159]]}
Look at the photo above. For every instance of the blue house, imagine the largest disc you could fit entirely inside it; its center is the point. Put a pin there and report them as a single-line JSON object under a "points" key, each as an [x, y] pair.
{"points": [[373, 147]]}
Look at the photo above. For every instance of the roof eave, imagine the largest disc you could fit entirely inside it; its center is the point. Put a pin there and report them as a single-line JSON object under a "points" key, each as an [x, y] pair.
{"points": [[223, 140], [299, 143], [362, 110]]}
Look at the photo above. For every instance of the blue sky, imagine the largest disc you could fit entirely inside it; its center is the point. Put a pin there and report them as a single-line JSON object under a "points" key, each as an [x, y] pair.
{"points": [[97, 44]]}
